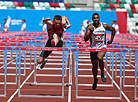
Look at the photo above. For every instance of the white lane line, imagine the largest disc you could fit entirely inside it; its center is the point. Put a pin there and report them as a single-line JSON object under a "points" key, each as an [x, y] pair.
{"points": [[119, 88], [20, 87], [69, 91], [7, 64]]}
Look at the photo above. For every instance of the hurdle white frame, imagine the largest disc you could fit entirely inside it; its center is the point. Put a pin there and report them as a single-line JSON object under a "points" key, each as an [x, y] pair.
{"points": [[97, 75], [10, 74], [136, 70], [5, 74], [63, 65], [9, 83], [89, 97], [35, 73], [124, 77]]}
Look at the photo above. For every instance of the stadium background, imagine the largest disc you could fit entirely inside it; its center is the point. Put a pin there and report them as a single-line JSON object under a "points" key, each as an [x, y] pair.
{"points": [[34, 16]]}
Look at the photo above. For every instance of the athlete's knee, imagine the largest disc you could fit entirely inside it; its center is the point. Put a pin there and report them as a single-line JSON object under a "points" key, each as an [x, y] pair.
{"points": [[40, 60], [99, 57], [55, 36], [95, 66]]}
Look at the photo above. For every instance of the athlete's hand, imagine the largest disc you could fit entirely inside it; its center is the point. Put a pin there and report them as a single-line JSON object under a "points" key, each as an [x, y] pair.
{"points": [[109, 42], [46, 19], [67, 26]]}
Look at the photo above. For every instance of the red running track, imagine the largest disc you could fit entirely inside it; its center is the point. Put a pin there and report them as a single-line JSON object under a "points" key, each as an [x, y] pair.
{"points": [[12, 90]]}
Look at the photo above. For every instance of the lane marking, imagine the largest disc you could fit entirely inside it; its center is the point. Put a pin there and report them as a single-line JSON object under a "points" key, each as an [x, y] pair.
{"points": [[119, 88], [69, 91], [7, 64], [20, 86], [128, 100]]}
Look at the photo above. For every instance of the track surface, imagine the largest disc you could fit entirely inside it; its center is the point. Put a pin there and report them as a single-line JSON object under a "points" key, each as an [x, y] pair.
{"points": [[69, 92]]}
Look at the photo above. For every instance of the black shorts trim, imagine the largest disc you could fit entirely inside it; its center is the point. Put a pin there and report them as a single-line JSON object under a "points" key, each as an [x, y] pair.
{"points": [[93, 55]]}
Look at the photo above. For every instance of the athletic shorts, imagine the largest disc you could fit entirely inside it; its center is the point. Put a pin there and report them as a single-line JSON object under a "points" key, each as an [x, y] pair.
{"points": [[93, 55], [45, 54]]}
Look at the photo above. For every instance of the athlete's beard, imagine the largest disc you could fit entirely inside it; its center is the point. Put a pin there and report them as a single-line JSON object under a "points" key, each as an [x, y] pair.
{"points": [[96, 24]]}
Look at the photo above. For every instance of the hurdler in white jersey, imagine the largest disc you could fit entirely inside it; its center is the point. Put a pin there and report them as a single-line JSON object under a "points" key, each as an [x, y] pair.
{"points": [[98, 38], [96, 33]]}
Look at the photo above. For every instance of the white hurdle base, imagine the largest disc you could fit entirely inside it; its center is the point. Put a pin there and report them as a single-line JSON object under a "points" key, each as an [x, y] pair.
{"points": [[87, 97], [41, 96]]}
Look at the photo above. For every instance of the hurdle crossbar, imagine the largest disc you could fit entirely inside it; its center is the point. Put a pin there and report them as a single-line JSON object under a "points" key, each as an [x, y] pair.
{"points": [[97, 50], [41, 49]]}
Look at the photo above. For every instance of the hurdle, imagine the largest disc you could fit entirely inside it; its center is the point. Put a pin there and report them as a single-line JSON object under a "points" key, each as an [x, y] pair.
{"points": [[98, 50], [66, 62], [9, 48], [11, 74], [42, 49], [111, 64], [136, 62], [124, 57], [5, 70]]}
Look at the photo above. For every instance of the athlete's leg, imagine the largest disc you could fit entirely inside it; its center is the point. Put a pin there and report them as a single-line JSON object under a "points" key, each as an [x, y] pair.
{"points": [[56, 40], [41, 60], [95, 69], [44, 55], [94, 61], [100, 56]]}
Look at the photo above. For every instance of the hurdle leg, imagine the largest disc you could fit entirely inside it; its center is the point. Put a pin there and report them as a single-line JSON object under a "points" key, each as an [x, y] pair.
{"points": [[123, 68], [19, 92], [16, 65], [76, 81], [106, 64], [35, 65], [63, 64], [115, 64], [120, 74], [112, 68], [12, 56], [74, 63], [66, 63], [30, 59], [24, 62], [130, 58], [5, 72], [35, 69], [136, 62], [76, 74], [110, 61], [70, 67], [135, 94]]}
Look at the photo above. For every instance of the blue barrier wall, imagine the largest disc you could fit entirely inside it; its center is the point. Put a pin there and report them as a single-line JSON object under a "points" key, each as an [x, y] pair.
{"points": [[34, 18]]}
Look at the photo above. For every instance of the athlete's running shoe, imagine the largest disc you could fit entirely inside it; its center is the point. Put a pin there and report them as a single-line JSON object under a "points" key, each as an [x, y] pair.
{"points": [[103, 78], [95, 85], [42, 65]]}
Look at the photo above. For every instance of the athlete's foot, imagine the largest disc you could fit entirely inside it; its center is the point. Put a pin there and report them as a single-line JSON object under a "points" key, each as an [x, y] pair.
{"points": [[103, 78], [95, 85], [42, 65]]}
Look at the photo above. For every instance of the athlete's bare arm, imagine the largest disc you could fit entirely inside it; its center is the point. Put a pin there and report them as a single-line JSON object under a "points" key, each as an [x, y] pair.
{"points": [[110, 28], [48, 22], [64, 21], [88, 33]]}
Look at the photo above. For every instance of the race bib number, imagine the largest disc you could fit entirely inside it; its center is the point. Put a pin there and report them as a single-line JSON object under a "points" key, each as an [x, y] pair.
{"points": [[98, 38], [100, 45]]}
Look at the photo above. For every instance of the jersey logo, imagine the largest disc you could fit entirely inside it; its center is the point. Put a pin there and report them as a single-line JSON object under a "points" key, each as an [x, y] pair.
{"points": [[98, 37]]}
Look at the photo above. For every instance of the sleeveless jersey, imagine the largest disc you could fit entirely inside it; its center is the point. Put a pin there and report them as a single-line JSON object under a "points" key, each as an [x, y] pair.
{"points": [[58, 31], [98, 38]]}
